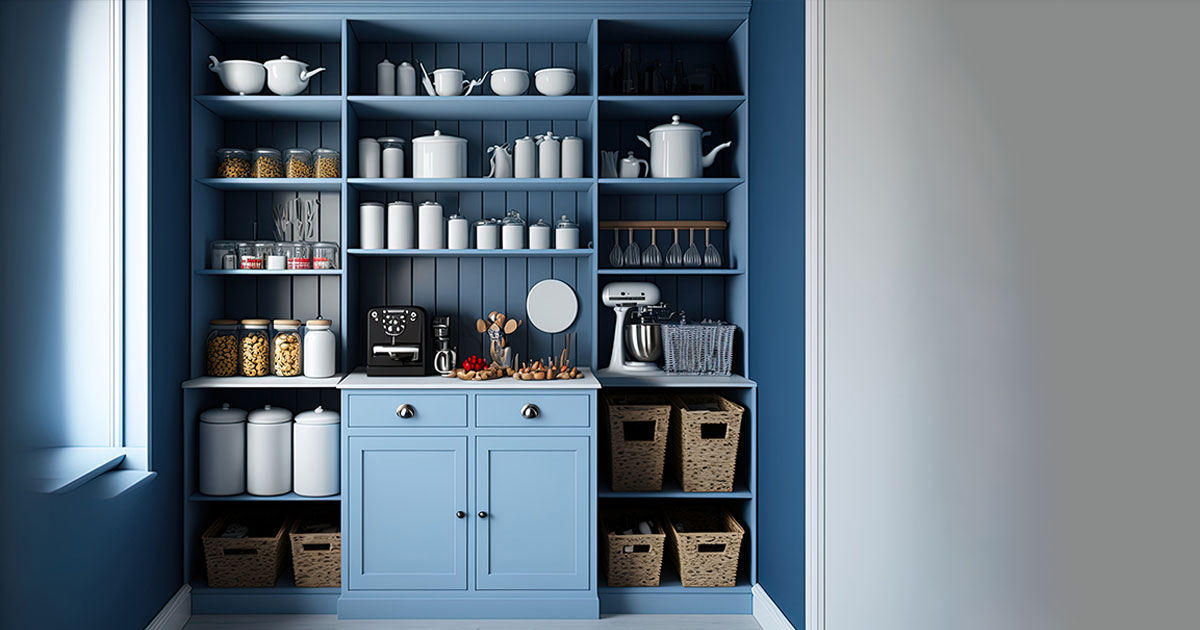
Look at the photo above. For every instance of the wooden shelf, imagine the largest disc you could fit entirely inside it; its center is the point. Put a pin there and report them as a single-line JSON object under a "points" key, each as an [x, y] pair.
{"points": [[282, 184], [699, 106], [669, 185], [669, 271], [663, 379], [474, 253], [672, 490], [474, 107], [260, 107], [263, 382], [473, 184], [291, 496], [268, 272]]}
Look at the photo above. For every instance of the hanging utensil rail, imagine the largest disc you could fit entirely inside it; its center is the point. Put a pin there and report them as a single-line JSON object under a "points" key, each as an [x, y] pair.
{"points": [[663, 225]]}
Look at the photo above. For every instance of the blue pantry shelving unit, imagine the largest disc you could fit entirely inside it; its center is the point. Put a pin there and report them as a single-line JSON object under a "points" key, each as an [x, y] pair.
{"points": [[340, 106]]}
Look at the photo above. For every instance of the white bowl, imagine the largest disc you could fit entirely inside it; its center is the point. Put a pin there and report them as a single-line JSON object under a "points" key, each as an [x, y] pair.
{"points": [[510, 81], [239, 75], [554, 81]]}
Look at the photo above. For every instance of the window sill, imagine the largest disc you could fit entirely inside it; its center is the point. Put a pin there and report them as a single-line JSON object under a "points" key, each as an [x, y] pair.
{"points": [[112, 471]]}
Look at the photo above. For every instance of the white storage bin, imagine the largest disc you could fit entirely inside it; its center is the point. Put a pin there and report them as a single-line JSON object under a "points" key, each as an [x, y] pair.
{"points": [[222, 451], [269, 451], [316, 460]]}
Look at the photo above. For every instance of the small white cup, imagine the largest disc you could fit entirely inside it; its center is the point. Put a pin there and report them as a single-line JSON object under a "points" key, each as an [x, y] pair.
{"points": [[449, 81]]}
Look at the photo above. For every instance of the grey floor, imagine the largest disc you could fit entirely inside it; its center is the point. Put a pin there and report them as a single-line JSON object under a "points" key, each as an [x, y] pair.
{"points": [[608, 622]]}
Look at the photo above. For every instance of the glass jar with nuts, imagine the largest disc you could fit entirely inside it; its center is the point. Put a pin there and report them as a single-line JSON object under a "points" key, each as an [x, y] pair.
{"points": [[233, 163], [324, 255], [285, 348], [329, 163], [221, 348], [299, 254], [298, 162], [267, 162], [256, 354]]}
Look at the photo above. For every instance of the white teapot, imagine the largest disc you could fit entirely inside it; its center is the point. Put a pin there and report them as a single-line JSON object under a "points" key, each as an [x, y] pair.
{"points": [[288, 77], [675, 150]]}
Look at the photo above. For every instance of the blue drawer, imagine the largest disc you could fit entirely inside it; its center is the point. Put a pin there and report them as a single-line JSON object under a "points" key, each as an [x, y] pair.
{"points": [[505, 410], [429, 410]]}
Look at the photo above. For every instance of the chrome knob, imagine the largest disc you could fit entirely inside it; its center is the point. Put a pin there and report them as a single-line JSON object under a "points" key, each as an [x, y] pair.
{"points": [[482, 514], [531, 411], [406, 411], [460, 514]]}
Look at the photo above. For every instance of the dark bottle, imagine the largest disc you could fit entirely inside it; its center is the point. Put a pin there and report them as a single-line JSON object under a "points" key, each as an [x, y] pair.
{"points": [[629, 74], [679, 82]]}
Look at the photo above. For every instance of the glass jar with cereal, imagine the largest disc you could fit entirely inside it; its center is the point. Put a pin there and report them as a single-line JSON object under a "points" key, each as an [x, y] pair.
{"points": [[285, 348], [221, 348], [256, 354]]}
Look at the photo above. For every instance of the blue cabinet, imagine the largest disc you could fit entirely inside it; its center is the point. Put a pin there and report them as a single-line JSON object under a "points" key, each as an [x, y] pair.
{"points": [[535, 494], [406, 494]]}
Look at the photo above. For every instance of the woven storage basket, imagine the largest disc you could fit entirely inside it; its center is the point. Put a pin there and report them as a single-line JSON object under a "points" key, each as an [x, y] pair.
{"points": [[705, 348], [631, 559], [705, 443], [637, 426], [316, 555], [706, 554], [254, 561]]}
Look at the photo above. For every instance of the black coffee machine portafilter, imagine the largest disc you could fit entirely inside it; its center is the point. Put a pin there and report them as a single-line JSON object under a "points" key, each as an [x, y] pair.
{"points": [[398, 341]]}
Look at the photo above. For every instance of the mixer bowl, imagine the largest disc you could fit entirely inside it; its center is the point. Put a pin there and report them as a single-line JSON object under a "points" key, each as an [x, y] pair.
{"points": [[644, 341]]}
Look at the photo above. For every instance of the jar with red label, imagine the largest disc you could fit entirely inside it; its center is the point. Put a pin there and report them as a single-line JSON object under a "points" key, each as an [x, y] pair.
{"points": [[250, 256], [324, 255], [298, 253]]}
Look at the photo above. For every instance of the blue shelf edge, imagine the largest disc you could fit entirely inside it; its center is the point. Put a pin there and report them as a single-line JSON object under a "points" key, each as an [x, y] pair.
{"points": [[473, 184], [474, 253], [282, 184], [291, 496]]}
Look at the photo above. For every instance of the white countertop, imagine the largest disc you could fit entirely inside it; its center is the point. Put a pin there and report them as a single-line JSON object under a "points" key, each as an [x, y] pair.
{"points": [[358, 379]]}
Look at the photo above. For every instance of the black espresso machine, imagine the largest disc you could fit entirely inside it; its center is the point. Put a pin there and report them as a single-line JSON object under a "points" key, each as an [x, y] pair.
{"points": [[398, 342]]}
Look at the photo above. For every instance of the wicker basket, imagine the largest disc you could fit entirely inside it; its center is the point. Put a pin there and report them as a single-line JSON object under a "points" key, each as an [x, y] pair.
{"points": [[631, 559], [316, 551], [705, 443], [706, 552], [254, 561], [704, 349], [637, 427]]}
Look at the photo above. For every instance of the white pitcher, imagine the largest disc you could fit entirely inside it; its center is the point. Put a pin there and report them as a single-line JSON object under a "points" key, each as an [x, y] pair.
{"points": [[502, 161]]}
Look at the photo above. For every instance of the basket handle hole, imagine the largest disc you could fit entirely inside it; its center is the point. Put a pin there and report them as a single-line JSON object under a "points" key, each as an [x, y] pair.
{"points": [[240, 552], [713, 430], [638, 430], [711, 548], [637, 549], [316, 547]]}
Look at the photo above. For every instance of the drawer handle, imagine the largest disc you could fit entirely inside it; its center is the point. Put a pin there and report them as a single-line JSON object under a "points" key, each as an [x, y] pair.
{"points": [[460, 514], [531, 411], [406, 411], [482, 514]]}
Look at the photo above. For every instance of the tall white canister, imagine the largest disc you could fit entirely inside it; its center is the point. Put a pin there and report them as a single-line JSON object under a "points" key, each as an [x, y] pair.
{"points": [[316, 461], [401, 225], [269, 451], [431, 226], [222, 451], [371, 225], [320, 349]]}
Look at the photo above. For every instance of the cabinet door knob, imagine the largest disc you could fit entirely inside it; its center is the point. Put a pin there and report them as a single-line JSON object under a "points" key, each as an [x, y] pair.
{"points": [[531, 411], [460, 514], [406, 411], [482, 514]]}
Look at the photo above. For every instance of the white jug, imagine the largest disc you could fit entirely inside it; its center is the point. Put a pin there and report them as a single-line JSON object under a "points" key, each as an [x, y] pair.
{"points": [[502, 161]]}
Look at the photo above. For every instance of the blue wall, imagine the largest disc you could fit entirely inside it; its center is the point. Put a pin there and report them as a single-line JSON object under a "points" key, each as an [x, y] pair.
{"points": [[76, 560], [777, 202]]}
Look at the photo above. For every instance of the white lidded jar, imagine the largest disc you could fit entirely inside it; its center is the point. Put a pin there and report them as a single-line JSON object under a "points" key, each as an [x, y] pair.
{"points": [[572, 156], [539, 235], [368, 157], [524, 158], [320, 349], [439, 155], [431, 226], [401, 225], [406, 79], [393, 156], [549, 156], [512, 231], [458, 232], [566, 234], [222, 449], [316, 462], [371, 225], [487, 234], [269, 451], [385, 78]]}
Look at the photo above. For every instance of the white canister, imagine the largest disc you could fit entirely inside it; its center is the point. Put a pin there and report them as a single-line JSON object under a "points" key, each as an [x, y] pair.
{"points": [[572, 156], [393, 156], [487, 234], [458, 232], [371, 225], [368, 157], [524, 157], [406, 79], [401, 225], [566, 234], [512, 231], [539, 235], [549, 156], [385, 78], [222, 450], [439, 156], [320, 349], [316, 460], [276, 261], [269, 451], [431, 226]]}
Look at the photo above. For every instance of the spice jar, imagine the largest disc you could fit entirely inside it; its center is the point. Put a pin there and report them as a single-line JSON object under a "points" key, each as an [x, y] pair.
{"points": [[221, 348], [254, 345], [324, 255], [566, 234], [233, 163], [512, 231], [223, 255], [267, 163], [298, 162], [328, 162], [250, 256], [320, 349], [299, 255], [285, 348]]}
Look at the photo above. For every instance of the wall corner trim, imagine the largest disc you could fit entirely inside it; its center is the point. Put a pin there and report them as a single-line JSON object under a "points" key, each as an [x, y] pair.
{"points": [[176, 612], [766, 613]]}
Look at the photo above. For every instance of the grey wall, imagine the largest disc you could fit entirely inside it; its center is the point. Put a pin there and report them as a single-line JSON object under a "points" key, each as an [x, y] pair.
{"points": [[1012, 314]]}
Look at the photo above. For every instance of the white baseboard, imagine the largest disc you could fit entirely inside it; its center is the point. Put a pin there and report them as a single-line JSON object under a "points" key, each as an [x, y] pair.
{"points": [[175, 613], [766, 613]]}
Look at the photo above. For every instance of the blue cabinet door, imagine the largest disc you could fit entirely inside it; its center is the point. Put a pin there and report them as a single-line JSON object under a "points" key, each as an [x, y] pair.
{"points": [[535, 492], [405, 532]]}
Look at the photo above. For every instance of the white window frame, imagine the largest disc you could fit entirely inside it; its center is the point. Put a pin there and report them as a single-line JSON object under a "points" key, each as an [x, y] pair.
{"points": [[814, 370]]}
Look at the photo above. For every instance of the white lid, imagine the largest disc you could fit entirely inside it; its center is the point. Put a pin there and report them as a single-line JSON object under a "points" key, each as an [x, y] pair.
{"points": [[285, 59], [405, 64], [368, 141], [320, 415], [269, 415], [391, 140], [564, 222], [548, 70], [437, 137], [385, 62], [223, 415], [430, 203], [540, 225], [370, 203], [675, 125], [401, 202]]}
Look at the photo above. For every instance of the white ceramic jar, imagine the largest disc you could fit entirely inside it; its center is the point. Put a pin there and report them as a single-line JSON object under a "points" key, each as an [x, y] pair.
{"points": [[368, 157], [269, 451], [393, 156], [566, 234], [539, 235], [572, 156], [320, 349], [385, 78], [431, 226], [512, 231], [439, 155], [406, 79], [371, 225], [524, 157], [549, 156], [487, 234], [458, 232], [401, 225], [316, 461], [222, 451]]}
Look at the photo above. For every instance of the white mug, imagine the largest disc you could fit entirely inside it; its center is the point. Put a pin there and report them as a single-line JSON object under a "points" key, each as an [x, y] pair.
{"points": [[449, 81]]}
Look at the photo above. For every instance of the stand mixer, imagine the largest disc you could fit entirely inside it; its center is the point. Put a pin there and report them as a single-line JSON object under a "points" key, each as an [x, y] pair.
{"points": [[643, 343]]}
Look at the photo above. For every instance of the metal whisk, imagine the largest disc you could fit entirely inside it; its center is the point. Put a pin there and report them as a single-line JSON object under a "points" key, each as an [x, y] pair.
{"points": [[652, 257], [691, 258], [712, 257], [674, 253]]}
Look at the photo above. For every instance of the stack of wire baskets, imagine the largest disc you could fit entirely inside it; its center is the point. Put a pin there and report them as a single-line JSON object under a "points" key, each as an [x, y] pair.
{"points": [[699, 349]]}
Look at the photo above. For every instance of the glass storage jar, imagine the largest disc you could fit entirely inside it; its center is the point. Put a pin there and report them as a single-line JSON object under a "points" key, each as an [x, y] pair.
{"points": [[233, 163], [250, 256], [298, 162], [267, 162], [221, 348], [285, 348], [299, 255], [256, 355], [324, 255], [223, 255], [320, 349], [328, 163], [276, 260]]}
